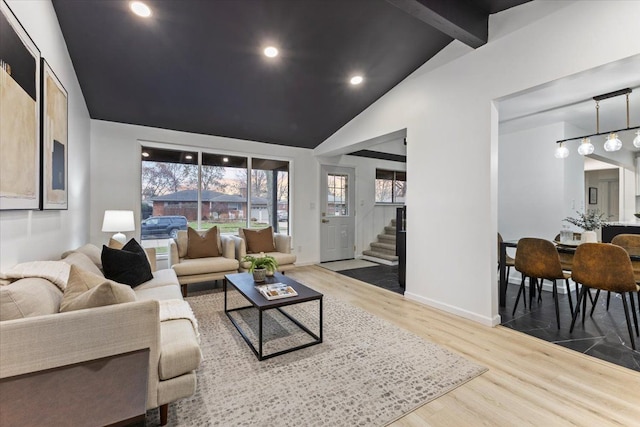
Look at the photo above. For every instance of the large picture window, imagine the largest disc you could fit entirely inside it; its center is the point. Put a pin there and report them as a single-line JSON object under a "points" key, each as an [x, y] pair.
{"points": [[391, 186], [199, 189]]}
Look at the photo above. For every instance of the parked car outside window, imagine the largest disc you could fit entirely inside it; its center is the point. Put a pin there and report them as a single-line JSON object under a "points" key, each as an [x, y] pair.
{"points": [[162, 226]]}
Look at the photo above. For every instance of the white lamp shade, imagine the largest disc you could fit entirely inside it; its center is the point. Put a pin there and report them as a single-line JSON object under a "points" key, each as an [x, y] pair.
{"points": [[117, 221]]}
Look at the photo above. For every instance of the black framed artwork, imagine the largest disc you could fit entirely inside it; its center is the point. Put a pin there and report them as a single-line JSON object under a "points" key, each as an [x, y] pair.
{"points": [[19, 115], [54, 139], [593, 196]]}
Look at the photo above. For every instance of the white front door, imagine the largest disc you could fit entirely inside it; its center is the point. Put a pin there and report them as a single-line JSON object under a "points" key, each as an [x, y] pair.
{"points": [[337, 215]]}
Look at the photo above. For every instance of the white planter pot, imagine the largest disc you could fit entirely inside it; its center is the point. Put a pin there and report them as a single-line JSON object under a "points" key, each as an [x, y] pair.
{"points": [[589, 237]]}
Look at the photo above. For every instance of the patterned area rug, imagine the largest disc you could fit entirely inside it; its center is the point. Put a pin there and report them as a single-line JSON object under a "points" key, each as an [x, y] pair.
{"points": [[367, 372]]}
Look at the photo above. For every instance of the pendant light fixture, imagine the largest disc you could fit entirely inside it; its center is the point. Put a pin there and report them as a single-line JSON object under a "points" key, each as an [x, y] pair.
{"points": [[562, 152], [612, 142], [586, 147]]}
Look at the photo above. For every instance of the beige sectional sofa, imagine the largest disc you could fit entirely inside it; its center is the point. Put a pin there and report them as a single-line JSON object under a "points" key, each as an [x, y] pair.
{"points": [[35, 337]]}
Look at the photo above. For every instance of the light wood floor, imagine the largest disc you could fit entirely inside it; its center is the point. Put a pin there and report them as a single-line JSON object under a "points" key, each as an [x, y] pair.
{"points": [[529, 382]]}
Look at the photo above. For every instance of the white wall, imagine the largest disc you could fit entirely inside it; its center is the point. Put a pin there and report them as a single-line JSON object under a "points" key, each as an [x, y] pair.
{"points": [[115, 178], [31, 235], [452, 208], [115, 183]]}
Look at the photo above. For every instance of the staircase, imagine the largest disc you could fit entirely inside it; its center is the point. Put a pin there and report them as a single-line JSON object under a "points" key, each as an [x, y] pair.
{"points": [[383, 251]]}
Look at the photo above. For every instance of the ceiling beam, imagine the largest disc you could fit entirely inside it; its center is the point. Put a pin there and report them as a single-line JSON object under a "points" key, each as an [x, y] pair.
{"points": [[459, 19]]}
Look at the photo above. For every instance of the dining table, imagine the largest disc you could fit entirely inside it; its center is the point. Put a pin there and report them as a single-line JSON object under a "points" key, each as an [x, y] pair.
{"points": [[563, 248]]}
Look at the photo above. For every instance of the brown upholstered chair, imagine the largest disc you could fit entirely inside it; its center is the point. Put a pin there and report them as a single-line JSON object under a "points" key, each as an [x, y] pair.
{"points": [[631, 244], [604, 266], [538, 259]]}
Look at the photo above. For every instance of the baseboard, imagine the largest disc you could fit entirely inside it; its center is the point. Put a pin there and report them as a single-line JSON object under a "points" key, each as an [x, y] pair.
{"points": [[547, 286], [487, 321]]}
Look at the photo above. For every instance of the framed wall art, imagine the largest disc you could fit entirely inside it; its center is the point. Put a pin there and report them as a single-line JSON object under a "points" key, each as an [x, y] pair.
{"points": [[593, 196], [54, 148], [19, 115]]}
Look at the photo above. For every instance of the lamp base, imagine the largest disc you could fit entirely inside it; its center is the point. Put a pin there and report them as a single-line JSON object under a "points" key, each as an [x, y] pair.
{"points": [[120, 237]]}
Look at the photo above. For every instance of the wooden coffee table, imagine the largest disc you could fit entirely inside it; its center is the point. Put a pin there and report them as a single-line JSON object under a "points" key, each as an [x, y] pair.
{"points": [[244, 283]]}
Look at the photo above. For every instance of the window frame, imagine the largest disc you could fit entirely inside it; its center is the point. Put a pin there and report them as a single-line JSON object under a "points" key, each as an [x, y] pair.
{"points": [[394, 180]]}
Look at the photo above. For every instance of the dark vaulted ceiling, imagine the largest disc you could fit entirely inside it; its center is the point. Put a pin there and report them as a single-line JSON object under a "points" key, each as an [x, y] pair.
{"points": [[198, 66]]}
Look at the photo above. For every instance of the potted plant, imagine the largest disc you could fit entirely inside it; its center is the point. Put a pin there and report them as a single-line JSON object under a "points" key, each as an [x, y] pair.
{"points": [[589, 221], [261, 265]]}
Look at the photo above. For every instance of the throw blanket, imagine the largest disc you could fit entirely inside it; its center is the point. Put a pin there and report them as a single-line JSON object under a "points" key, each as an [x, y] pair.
{"points": [[178, 309], [54, 271]]}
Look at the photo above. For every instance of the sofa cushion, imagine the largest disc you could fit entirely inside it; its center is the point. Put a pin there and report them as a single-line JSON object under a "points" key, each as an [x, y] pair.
{"points": [[82, 261], [202, 246], [281, 259], [29, 297], [259, 240], [128, 265], [158, 293], [164, 277], [180, 352], [87, 290], [189, 267], [92, 251]]}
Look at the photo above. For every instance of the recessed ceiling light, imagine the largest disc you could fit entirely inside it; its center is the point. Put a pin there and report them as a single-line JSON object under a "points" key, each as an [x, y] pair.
{"points": [[145, 154], [140, 9], [356, 80], [188, 157], [271, 52], [225, 159]]}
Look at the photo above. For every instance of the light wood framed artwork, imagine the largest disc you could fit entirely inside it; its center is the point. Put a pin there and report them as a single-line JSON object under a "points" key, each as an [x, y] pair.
{"points": [[19, 115], [55, 139]]}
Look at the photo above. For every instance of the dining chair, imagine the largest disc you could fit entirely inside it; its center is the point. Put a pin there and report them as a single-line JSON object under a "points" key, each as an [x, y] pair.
{"points": [[538, 259], [607, 267], [509, 261], [631, 244]]}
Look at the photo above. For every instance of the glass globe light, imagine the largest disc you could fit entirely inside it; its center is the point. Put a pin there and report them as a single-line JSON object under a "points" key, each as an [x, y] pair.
{"points": [[636, 140], [561, 152], [613, 143], [586, 147]]}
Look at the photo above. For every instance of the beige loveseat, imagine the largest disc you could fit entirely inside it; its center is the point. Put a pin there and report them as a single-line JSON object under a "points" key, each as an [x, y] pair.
{"points": [[282, 253], [40, 338], [196, 270]]}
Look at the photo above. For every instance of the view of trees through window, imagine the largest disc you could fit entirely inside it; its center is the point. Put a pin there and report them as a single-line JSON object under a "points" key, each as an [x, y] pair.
{"points": [[202, 190], [391, 186]]}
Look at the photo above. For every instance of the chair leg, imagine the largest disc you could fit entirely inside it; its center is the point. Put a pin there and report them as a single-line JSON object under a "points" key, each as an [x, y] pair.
{"points": [[593, 306], [555, 298], [633, 310], [626, 315], [164, 414], [581, 297], [184, 290], [515, 306], [533, 283], [540, 290], [584, 302], [566, 282], [608, 299]]}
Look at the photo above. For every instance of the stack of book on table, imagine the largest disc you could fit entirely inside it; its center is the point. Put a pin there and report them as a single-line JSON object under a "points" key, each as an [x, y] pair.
{"points": [[276, 291]]}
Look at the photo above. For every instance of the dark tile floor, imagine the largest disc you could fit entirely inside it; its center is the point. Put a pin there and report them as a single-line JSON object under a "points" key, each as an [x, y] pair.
{"points": [[384, 276], [604, 335]]}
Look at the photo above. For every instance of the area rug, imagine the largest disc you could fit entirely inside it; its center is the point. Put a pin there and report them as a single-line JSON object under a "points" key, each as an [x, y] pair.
{"points": [[367, 372], [348, 264]]}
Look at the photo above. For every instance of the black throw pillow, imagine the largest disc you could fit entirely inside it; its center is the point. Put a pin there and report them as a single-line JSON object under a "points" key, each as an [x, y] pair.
{"points": [[128, 265]]}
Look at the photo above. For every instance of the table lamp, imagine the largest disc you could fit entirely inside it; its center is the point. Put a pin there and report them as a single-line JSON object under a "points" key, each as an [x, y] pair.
{"points": [[118, 221]]}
